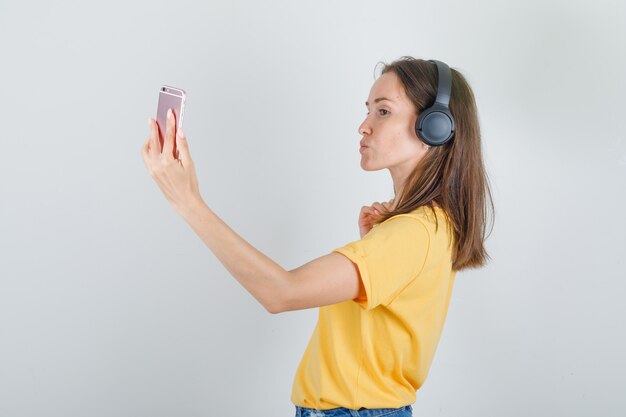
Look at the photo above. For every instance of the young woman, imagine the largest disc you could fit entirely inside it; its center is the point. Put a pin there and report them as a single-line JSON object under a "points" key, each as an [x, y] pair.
{"points": [[383, 298]]}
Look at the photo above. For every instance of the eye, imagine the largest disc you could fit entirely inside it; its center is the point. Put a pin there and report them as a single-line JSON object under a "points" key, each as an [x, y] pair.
{"points": [[380, 111]]}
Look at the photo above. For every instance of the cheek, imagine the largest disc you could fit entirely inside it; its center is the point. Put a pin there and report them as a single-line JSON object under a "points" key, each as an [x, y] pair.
{"points": [[399, 143], [395, 143], [399, 147]]}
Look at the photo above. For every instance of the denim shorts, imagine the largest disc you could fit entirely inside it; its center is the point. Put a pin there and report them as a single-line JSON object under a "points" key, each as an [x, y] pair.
{"points": [[406, 411]]}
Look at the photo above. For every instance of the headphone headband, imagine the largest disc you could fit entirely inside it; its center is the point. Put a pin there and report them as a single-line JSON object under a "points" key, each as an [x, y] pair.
{"points": [[443, 84]]}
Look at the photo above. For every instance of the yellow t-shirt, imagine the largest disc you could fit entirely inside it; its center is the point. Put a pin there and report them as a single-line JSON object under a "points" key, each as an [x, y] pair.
{"points": [[375, 351]]}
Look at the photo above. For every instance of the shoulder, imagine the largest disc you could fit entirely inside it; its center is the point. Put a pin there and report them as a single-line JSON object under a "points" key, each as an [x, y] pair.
{"points": [[424, 215], [400, 231], [423, 221], [401, 222]]}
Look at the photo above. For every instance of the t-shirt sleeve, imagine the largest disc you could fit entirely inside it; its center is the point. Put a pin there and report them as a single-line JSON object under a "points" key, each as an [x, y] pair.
{"points": [[389, 257]]}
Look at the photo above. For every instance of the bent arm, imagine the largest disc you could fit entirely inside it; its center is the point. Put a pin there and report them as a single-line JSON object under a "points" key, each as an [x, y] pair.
{"points": [[263, 278], [329, 279]]}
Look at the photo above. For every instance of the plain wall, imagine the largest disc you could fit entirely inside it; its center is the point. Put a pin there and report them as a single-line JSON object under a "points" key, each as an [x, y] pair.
{"points": [[110, 304]]}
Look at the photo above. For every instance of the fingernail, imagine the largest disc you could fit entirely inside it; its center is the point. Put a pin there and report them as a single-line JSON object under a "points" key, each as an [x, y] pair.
{"points": [[149, 121], [169, 113]]}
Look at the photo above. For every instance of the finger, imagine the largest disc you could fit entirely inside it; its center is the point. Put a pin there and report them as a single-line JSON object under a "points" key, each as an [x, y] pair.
{"points": [[145, 152], [145, 149], [155, 145], [170, 128], [183, 148]]}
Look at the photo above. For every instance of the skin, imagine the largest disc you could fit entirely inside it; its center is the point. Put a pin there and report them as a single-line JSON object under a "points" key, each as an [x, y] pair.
{"points": [[175, 176], [389, 131], [329, 279]]}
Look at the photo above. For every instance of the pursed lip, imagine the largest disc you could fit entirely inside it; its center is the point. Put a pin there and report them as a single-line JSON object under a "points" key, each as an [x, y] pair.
{"points": [[362, 144]]}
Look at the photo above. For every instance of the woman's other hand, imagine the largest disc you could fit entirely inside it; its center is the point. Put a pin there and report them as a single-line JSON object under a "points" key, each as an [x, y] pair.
{"points": [[370, 214]]}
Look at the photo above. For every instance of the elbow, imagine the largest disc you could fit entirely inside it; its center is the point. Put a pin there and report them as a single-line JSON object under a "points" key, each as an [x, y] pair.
{"points": [[278, 303], [273, 309], [276, 308], [281, 307]]}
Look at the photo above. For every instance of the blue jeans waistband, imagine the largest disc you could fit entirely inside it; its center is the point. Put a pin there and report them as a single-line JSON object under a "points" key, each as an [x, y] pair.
{"points": [[406, 411]]}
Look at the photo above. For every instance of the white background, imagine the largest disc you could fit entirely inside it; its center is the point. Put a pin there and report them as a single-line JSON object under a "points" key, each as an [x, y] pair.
{"points": [[110, 305]]}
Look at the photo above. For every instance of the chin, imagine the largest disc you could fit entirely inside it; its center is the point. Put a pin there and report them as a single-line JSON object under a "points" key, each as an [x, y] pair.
{"points": [[366, 167]]}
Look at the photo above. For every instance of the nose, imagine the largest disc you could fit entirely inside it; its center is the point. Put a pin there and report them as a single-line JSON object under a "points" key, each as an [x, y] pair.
{"points": [[364, 127]]}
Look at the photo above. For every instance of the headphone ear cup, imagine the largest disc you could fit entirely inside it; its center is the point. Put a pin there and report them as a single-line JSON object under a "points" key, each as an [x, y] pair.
{"points": [[435, 126]]}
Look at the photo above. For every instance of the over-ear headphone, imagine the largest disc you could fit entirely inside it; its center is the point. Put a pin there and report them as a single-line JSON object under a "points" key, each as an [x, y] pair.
{"points": [[435, 125]]}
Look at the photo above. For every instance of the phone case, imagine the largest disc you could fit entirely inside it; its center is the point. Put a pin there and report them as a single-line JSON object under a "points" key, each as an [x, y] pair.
{"points": [[170, 98]]}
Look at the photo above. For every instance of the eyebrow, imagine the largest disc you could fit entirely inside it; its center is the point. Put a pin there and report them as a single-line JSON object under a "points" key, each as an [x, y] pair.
{"points": [[377, 100]]}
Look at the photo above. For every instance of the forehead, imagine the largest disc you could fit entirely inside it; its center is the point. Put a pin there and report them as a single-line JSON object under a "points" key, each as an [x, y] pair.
{"points": [[388, 85]]}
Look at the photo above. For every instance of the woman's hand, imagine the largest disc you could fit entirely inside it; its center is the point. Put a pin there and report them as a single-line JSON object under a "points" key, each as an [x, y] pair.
{"points": [[175, 174], [369, 214]]}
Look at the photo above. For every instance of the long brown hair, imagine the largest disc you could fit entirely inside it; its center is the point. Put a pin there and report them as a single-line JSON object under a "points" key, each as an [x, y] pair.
{"points": [[451, 175]]}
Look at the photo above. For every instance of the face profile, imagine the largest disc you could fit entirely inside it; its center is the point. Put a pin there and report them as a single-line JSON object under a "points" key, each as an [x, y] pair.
{"points": [[388, 131]]}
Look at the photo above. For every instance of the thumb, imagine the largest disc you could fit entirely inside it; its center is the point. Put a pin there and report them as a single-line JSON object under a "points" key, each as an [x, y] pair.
{"points": [[183, 147]]}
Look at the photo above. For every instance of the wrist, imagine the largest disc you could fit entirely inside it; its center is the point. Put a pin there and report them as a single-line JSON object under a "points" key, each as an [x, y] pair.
{"points": [[191, 207]]}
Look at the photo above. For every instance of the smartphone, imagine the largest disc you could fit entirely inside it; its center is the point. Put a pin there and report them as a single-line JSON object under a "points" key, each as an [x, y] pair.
{"points": [[170, 98]]}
